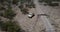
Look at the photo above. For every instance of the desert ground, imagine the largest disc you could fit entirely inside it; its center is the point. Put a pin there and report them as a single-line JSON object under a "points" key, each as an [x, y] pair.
{"points": [[36, 24]]}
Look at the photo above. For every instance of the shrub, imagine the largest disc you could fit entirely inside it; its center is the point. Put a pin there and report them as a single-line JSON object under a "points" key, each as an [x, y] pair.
{"points": [[24, 11], [31, 5], [2, 8], [21, 6], [53, 4], [15, 2]]}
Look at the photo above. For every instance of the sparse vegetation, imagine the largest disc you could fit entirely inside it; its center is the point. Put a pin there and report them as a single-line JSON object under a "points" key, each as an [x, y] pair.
{"points": [[10, 26], [23, 10], [49, 2], [9, 13], [27, 3], [23, 1]]}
